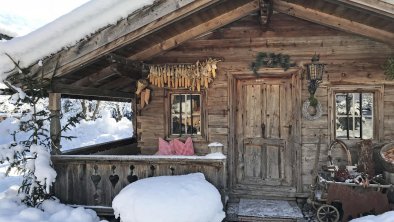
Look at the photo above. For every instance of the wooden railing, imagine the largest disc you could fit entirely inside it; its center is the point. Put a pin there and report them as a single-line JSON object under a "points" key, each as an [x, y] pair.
{"points": [[94, 180]]}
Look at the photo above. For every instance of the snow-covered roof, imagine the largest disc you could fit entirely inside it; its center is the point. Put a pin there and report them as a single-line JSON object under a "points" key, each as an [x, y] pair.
{"points": [[65, 31], [5, 33], [99, 27]]}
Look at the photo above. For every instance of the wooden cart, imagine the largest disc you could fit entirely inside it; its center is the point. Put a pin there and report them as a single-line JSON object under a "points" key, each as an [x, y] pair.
{"points": [[327, 193], [355, 198]]}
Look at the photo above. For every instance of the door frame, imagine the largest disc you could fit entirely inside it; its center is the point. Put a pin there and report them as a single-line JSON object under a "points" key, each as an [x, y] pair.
{"points": [[233, 77]]}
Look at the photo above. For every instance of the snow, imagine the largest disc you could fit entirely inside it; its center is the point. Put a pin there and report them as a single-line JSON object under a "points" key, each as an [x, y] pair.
{"points": [[65, 31], [99, 131], [13, 210], [43, 171], [5, 31], [215, 144], [386, 217], [105, 128], [217, 155], [17, 15], [169, 199]]}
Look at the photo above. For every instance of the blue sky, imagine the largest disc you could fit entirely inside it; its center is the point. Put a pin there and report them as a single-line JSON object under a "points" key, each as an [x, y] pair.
{"points": [[23, 16]]}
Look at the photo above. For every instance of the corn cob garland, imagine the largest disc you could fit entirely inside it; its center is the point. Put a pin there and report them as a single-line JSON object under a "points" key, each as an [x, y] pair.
{"points": [[191, 76]]}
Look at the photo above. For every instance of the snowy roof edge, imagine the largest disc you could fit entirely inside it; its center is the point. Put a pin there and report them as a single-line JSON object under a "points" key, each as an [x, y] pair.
{"points": [[28, 50]]}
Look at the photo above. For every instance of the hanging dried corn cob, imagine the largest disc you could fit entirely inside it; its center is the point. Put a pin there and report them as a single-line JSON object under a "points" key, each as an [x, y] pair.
{"points": [[192, 76]]}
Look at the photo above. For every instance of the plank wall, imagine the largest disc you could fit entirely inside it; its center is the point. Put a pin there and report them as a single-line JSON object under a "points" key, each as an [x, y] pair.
{"points": [[350, 59]]}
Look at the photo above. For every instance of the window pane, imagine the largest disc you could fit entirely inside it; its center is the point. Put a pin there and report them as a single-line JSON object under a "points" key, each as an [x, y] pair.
{"points": [[367, 113], [185, 114], [341, 104], [354, 115], [176, 104], [196, 129], [367, 127], [176, 125]]}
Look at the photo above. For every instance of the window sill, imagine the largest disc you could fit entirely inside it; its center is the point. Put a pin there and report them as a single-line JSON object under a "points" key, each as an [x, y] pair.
{"points": [[195, 138], [354, 141]]}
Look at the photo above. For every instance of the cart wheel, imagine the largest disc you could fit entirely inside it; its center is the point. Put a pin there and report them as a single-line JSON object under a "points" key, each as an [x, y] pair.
{"points": [[327, 213]]}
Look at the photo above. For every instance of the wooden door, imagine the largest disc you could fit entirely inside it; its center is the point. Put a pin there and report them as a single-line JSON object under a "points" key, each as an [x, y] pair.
{"points": [[264, 129]]}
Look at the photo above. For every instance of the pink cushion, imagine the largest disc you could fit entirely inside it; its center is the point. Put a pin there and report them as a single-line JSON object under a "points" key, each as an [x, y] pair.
{"points": [[165, 148], [183, 148]]}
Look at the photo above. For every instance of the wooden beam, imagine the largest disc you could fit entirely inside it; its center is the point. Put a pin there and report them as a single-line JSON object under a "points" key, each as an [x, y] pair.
{"points": [[219, 21], [117, 84], [377, 6], [138, 25], [266, 11], [114, 58], [90, 92], [128, 68], [333, 21], [98, 76]]}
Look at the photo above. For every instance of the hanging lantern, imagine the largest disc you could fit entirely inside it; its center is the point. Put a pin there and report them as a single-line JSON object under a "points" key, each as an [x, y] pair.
{"points": [[314, 74], [312, 108], [315, 69]]}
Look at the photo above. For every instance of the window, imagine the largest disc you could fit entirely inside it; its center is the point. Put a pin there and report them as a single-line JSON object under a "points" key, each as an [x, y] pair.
{"points": [[354, 114], [185, 115]]}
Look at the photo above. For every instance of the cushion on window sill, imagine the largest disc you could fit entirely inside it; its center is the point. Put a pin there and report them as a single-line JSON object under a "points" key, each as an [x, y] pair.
{"points": [[165, 148], [185, 149], [176, 147]]}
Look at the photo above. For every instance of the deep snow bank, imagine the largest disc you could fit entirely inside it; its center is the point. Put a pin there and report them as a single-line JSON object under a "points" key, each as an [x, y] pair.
{"points": [[169, 199]]}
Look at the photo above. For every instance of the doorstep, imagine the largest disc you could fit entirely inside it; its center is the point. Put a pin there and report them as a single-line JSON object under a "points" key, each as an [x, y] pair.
{"points": [[256, 210]]}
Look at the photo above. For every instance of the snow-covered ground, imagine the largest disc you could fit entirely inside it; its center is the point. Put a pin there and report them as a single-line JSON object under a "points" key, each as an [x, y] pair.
{"points": [[12, 210], [386, 217], [87, 132], [170, 199]]}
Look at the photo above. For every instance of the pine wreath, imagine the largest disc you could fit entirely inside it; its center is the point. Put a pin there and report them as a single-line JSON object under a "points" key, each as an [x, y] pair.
{"points": [[271, 60], [306, 110], [388, 67]]}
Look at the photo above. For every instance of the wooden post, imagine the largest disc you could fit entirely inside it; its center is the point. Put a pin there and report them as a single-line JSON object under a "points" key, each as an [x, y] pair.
{"points": [[134, 120], [55, 127]]}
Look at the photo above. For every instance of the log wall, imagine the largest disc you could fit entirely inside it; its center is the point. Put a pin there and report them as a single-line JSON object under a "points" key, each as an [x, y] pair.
{"points": [[350, 60]]}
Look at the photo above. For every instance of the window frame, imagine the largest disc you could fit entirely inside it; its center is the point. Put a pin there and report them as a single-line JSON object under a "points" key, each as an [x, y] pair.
{"points": [[377, 92], [168, 121]]}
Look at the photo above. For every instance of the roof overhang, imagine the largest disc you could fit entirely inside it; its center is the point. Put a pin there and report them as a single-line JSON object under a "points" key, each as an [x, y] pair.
{"points": [[86, 68]]}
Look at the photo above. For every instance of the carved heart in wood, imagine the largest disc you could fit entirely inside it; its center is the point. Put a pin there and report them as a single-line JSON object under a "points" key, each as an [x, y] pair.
{"points": [[114, 179], [132, 178], [96, 179], [96, 197]]}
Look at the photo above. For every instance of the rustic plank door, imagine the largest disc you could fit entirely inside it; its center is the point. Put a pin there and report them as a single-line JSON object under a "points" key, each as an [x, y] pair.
{"points": [[264, 129]]}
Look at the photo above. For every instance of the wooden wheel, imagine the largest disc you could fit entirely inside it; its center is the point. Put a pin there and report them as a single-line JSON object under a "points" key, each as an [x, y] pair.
{"points": [[327, 213]]}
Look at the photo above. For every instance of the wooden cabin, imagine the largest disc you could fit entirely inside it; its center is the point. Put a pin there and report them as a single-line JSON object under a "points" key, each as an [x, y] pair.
{"points": [[270, 146]]}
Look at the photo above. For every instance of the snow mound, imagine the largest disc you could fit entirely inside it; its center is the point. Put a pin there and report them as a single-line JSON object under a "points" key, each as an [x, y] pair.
{"points": [[386, 217], [169, 199], [13, 210]]}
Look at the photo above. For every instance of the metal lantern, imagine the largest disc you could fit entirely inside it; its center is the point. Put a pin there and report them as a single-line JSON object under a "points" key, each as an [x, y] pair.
{"points": [[315, 69], [314, 74]]}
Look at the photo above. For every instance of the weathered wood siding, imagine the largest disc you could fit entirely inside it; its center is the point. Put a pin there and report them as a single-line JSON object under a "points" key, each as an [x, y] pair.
{"points": [[388, 112], [94, 180], [350, 59], [151, 122]]}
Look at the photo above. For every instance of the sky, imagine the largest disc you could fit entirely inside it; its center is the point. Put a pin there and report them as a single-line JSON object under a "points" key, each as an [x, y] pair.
{"points": [[19, 17]]}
